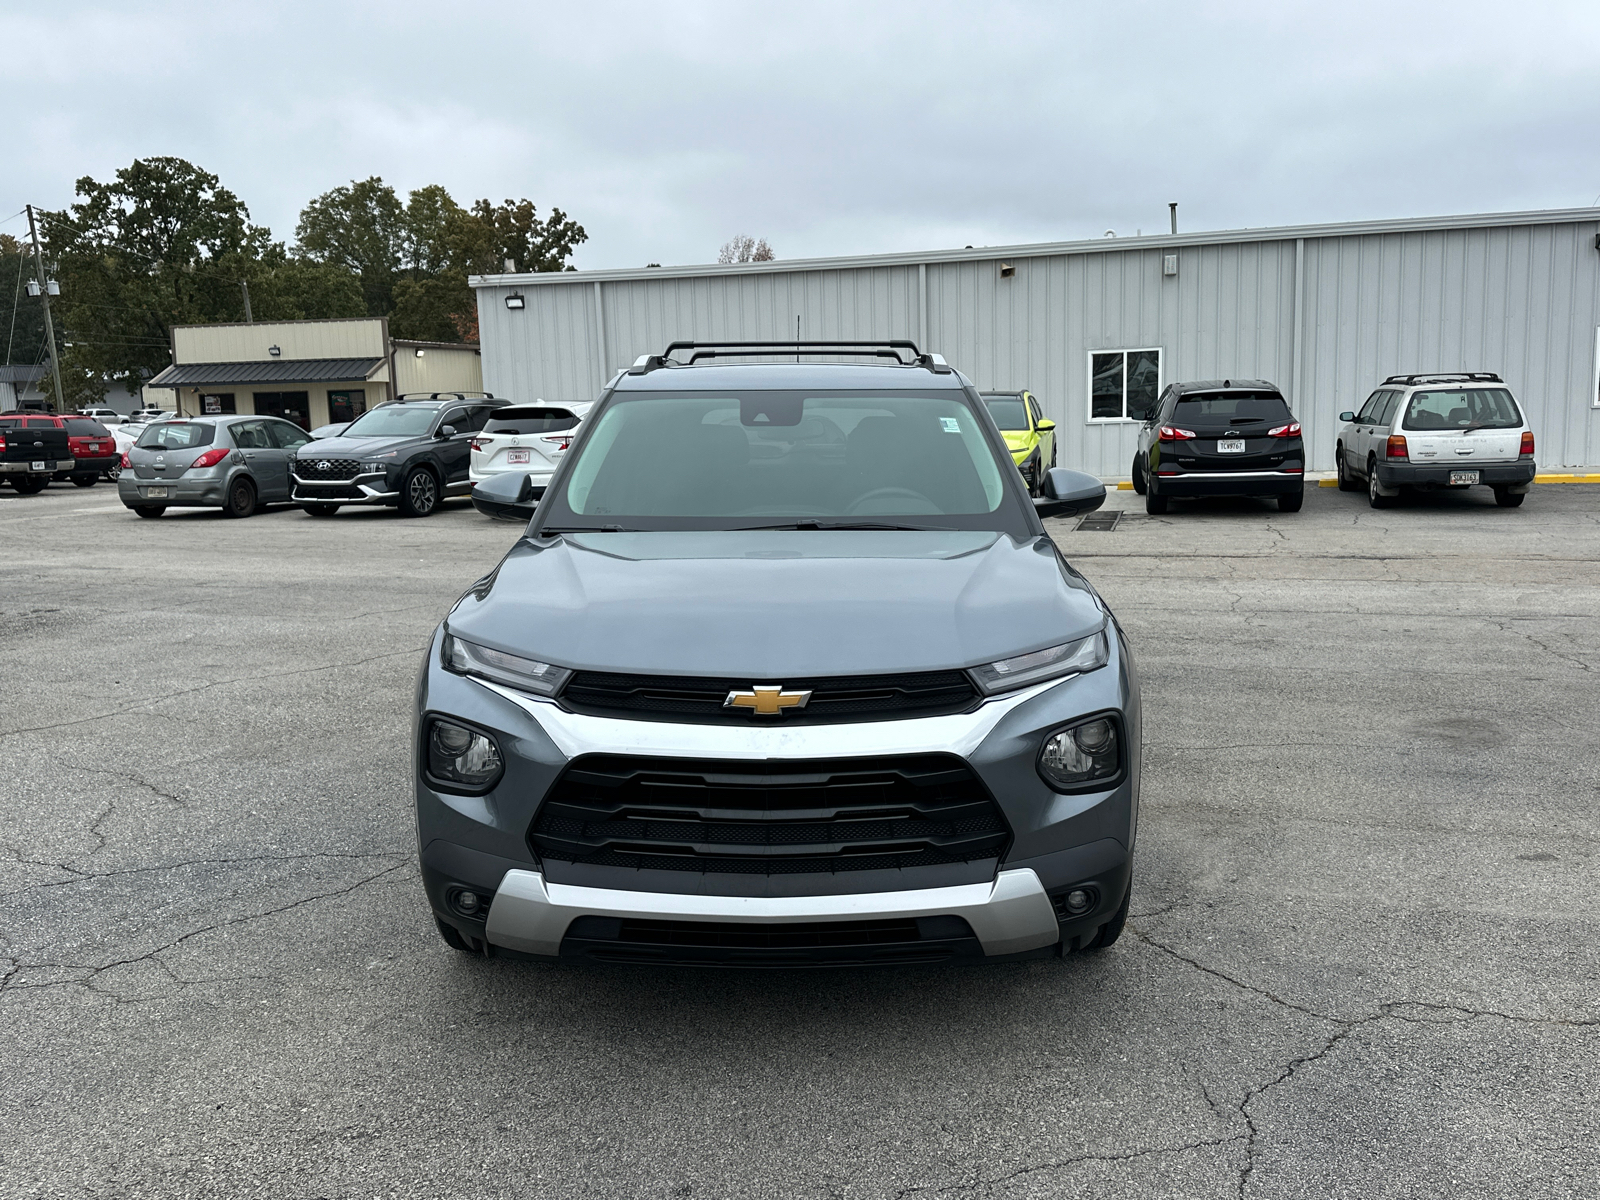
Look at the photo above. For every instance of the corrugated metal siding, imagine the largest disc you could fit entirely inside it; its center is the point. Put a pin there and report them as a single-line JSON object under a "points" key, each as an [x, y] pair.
{"points": [[1523, 300]]}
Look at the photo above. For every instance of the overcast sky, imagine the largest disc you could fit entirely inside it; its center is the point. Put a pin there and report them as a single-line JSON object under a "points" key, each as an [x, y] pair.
{"points": [[666, 128]]}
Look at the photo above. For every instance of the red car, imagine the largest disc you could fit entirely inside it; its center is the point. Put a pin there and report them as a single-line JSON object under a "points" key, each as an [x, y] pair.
{"points": [[94, 451]]}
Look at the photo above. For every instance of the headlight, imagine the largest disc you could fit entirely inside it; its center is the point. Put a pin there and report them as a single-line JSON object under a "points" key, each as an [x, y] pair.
{"points": [[462, 756], [1069, 658], [1086, 755], [524, 674], [370, 467]]}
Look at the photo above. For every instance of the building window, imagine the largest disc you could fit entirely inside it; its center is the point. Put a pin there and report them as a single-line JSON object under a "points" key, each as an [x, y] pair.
{"points": [[1124, 384], [216, 403], [347, 405]]}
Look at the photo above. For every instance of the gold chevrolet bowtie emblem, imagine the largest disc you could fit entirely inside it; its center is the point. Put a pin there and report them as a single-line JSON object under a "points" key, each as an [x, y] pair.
{"points": [[766, 701]]}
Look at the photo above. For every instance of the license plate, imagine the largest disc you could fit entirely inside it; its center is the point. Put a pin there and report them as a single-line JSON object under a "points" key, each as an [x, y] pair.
{"points": [[40, 466], [1230, 446], [1463, 478], [516, 456], [155, 493]]}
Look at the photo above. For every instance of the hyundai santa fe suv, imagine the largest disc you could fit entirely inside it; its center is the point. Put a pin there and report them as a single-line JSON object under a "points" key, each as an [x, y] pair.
{"points": [[1456, 430], [784, 671]]}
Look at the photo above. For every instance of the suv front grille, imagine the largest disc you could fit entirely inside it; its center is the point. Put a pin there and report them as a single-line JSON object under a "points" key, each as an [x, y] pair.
{"points": [[700, 700], [326, 468], [767, 818]]}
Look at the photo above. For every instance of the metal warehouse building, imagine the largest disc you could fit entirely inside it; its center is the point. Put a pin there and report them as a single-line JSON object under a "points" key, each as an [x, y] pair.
{"points": [[1096, 328]]}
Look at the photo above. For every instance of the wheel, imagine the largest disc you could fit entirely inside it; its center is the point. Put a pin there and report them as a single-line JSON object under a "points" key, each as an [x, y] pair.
{"points": [[1291, 501], [149, 510], [113, 472], [1347, 481], [30, 485], [241, 500], [84, 480], [1154, 505], [1138, 476], [320, 510], [419, 494], [1112, 929], [1031, 478], [1506, 498], [1375, 497], [454, 938]]}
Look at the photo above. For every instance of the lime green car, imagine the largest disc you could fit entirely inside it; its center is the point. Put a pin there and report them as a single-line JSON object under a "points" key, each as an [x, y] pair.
{"points": [[1030, 438]]}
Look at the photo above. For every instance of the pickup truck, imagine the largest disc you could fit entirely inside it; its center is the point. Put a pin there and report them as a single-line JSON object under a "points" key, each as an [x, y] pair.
{"points": [[33, 447]]}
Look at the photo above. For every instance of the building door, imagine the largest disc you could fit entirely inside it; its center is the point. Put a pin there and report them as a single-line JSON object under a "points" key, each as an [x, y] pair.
{"points": [[291, 406]]}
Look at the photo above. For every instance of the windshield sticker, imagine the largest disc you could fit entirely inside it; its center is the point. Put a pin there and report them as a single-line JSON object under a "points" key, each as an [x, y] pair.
{"points": [[951, 425]]}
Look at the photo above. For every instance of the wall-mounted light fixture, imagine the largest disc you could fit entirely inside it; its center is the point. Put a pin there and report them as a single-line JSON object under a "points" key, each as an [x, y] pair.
{"points": [[1007, 270], [420, 351], [515, 301], [274, 351], [1169, 264]]}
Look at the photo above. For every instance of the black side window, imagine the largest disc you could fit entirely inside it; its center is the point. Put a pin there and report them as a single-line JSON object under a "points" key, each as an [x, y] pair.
{"points": [[1369, 410], [477, 417], [456, 417], [250, 435]]}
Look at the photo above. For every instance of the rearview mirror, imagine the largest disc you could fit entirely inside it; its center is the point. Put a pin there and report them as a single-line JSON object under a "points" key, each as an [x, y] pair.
{"points": [[1065, 493], [446, 431], [509, 497], [1347, 416]]}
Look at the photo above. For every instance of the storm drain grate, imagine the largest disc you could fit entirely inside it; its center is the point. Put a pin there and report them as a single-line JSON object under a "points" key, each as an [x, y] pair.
{"points": [[1100, 522]]}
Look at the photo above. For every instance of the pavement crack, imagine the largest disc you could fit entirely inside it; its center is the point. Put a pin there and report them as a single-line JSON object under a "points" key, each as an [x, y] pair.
{"points": [[135, 777], [1064, 1163], [89, 876]]}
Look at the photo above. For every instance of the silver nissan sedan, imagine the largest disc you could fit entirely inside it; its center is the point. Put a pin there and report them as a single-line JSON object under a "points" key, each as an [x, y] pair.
{"points": [[235, 463]]}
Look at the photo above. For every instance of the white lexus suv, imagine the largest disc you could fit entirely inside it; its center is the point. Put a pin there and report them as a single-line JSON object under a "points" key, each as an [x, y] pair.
{"points": [[1446, 430], [527, 438]]}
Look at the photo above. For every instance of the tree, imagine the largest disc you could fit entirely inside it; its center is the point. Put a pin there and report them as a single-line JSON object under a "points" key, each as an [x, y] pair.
{"points": [[362, 228], [742, 248], [21, 316]]}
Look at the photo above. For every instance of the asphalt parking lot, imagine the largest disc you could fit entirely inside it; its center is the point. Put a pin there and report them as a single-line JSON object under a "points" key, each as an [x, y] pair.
{"points": [[1363, 957]]}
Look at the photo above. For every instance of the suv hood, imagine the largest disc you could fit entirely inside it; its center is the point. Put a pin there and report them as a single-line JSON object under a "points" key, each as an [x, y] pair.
{"points": [[353, 447], [766, 604]]}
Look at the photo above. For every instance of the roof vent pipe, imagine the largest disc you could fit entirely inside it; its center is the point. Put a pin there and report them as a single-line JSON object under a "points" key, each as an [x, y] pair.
{"points": [[1172, 210]]}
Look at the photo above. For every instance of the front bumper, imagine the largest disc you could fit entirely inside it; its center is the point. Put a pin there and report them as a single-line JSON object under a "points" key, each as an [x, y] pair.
{"points": [[1502, 474], [90, 465], [1227, 483], [363, 489], [1008, 916], [51, 465]]}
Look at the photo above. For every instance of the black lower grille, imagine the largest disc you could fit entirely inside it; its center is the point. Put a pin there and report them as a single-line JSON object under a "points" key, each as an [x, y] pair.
{"points": [[702, 700], [768, 818], [894, 941], [330, 491], [327, 468]]}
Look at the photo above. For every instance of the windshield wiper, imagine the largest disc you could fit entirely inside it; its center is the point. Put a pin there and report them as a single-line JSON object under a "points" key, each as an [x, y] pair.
{"points": [[846, 525]]}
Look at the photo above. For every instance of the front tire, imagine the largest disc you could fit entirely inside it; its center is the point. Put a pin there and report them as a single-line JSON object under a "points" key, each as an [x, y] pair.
{"points": [[1506, 498], [419, 494], [1154, 505], [1137, 472], [1347, 481], [149, 510], [1374, 497], [1291, 501], [241, 500]]}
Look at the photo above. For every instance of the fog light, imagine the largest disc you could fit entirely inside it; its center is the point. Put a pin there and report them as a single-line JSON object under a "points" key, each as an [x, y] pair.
{"points": [[1078, 901], [467, 902]]}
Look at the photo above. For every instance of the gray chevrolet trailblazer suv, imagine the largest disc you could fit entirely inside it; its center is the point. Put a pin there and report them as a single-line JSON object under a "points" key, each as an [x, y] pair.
{"points": [[784, 671]]}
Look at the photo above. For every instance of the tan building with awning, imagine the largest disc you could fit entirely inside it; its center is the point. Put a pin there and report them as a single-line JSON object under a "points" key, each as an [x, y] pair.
{"points": [[309, 372]]}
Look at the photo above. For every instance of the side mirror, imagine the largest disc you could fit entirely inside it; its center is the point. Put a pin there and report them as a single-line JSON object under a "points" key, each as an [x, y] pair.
{"points": [[1045, 426], [1347, 417], [510, 497], [445, 431], [1065, 493]]}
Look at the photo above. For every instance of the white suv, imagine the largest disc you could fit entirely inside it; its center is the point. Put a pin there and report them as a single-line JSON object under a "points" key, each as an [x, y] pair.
{"points": [[528, 438], [1437, 431]]}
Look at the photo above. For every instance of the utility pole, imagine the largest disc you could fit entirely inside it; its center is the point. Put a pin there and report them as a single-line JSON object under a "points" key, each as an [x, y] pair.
{"points": [[244, 285], [44, 294]]}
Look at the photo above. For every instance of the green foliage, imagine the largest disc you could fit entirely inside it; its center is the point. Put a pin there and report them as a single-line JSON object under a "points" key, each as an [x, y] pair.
{"points": [[21, 315], [362, 228]]}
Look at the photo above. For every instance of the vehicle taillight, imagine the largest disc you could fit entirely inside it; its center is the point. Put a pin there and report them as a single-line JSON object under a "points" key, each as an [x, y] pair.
{"points": [[560, 441], [210, 458], [2, 441], [1170, 433], [476, 444], [1397, 447], [1527, 442], [1292, 429], [124, 464]]}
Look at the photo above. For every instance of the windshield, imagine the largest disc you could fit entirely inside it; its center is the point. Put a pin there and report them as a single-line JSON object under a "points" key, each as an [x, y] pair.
{"points": [[175, 435], [528, 419], [1008, 411], [766, 459], [393, 420], [1232, 408], [1463, 408]]}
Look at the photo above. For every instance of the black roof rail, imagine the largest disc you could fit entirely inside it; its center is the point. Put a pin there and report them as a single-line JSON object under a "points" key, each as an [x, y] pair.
{"points": [[1445, 377], [895, 348], [442, 396]]}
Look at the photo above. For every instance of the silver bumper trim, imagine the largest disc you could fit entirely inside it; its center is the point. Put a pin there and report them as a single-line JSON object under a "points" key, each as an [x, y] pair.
{"points": [[957, 733], [26, 468], [369, 495], [1232, 475], [1010, 915]]}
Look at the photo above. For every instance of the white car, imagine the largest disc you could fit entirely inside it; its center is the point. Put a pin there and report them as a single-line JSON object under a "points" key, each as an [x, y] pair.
{"points": [[1444, 430], [529, 438], [106, 416]]}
